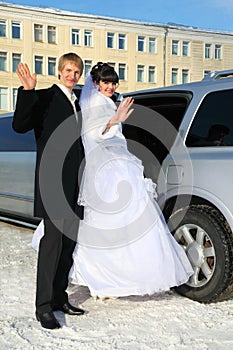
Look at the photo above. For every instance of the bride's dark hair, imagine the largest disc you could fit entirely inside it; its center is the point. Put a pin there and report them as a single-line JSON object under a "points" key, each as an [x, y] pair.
{"points": [[104, 72]]}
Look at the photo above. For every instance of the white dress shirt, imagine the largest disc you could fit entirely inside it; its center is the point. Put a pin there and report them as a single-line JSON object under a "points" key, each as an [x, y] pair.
{"points": [[71, 97]]}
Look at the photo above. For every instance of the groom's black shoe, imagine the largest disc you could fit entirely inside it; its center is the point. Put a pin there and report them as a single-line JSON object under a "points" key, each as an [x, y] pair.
{"points": [[69, 309], [48, 320]]}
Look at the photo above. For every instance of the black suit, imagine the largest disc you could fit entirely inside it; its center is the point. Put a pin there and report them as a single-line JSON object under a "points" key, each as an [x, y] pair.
{"points": [[59, 155]]}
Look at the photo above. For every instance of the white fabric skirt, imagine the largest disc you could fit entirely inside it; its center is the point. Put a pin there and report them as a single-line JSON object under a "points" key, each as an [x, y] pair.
{"points": [[128, 249]]}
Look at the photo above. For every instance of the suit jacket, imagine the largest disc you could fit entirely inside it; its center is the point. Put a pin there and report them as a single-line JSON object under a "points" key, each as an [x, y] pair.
{"points": [[59, 149]]}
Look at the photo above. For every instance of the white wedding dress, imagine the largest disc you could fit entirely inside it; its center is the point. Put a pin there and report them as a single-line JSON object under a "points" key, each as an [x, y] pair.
{"points": [[124, 246]]}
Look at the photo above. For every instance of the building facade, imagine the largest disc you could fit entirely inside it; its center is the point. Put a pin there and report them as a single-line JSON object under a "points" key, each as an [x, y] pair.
{"points": [[145, 55]]}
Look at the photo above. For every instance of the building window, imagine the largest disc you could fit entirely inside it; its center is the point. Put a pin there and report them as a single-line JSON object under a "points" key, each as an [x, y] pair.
{"points": [[88, 38], [16, 58], [3, 61], [2, 28], [218, 52], [15, 30], [140, 73], [121, 71], [185, 76], [51, 66], [152, 45], [175, 47], [151, 74], [38, 64], [4, 99], [185, 48], [87, 66], [112, 64], [51, 35], [110, 40], [207, 50], [174, 75], [75, 37], [38, 32], [141, 43], [121, 41], [14, 97]]}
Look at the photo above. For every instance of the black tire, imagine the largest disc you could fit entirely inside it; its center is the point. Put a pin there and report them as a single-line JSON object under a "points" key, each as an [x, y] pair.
{"points": [[208, 241]]}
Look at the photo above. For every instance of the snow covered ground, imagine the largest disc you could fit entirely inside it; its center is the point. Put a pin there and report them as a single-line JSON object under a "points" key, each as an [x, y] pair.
{"points": [[165, 321]]}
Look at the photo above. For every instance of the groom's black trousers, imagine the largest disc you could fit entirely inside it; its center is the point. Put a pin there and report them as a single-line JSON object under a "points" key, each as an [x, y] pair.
{"points": [[54, 263]]}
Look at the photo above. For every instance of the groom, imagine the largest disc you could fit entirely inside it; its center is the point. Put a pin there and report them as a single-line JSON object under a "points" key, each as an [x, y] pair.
{"points": [[46, 111]]}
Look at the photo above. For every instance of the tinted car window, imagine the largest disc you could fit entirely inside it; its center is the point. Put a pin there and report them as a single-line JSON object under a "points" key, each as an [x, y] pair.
{"points": [[213, 123], [172, 106], [12, 141]]}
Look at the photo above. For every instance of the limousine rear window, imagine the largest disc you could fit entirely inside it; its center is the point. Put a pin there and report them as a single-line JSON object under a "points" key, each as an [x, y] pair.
{"points": [[12, 141], [171, 105]]}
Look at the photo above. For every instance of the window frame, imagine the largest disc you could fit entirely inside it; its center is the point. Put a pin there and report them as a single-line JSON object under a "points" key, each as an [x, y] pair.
{"points": [[42, 64], [149, 74], [185, 72], [141, 71], [141, 41], [38, 32], [14, 97], [51, 34], [122, 69], [110, 37], [5, 63], [122, 39], [185, 48], [208, 51], [155, 44], [174, 73], [13, 23], [51, 62], [175, 48], [88, 38], [87, 66], [13, 61], [3, 23], [75, 34], [217, 51], [6, 89], [112, 64]]}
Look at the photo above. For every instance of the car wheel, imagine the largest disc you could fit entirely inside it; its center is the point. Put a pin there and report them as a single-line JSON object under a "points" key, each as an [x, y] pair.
{"points": [[208, 242]]}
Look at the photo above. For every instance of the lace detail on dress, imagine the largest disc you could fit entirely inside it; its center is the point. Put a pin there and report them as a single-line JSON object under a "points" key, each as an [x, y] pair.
{"points": [[151, 188]]}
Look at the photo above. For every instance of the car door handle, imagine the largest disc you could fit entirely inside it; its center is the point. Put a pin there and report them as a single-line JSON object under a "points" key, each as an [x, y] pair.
{"points": [[175, 174]]}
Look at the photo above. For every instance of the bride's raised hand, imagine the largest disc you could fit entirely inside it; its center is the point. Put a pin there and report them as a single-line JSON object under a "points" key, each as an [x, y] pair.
{"points": [[122, 113], [123, 110], [27, 79]]}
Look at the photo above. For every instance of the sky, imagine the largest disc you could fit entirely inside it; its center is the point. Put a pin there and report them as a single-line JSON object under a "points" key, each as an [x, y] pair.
{"points": [[205, 14]]}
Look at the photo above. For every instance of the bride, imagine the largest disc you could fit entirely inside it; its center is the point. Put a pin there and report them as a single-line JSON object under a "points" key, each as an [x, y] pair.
{"points": [[124, 246]]}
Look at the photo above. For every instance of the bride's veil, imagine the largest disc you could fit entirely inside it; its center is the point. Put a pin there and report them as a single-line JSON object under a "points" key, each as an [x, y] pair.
{"points": [[89, 90], [96, 110]]}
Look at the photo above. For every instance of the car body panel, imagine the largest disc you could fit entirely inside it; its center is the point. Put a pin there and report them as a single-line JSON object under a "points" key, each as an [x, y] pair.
{"points": [[195, 172], [17, 168], [17, 182]]}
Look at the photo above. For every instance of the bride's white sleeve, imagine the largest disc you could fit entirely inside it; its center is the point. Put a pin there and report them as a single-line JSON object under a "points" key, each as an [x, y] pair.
{"points": [[113, 131], [96, 117]]}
